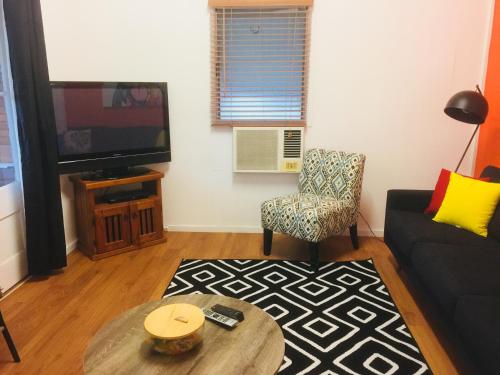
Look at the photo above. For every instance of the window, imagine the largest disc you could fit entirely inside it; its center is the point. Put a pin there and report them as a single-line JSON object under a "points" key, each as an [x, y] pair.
{"points": [[6, 162], [8, 134], [259, 65]]}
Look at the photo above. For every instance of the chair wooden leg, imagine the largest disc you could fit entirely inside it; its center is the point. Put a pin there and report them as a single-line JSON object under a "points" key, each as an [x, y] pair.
{"points": [[353, 231], [8, 339], [268, 241], [314, 250]]}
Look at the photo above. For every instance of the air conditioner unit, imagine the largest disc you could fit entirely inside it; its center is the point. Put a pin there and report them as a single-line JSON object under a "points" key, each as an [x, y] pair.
{"points": [[267, 149]]}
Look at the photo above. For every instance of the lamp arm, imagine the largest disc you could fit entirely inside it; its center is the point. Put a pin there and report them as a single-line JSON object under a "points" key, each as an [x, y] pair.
{"points": [[468, 145]]}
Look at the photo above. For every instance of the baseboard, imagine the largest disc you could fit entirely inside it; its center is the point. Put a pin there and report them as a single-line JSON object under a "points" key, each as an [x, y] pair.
{"points": [[70, 246], [213, 228], [364, 232]]}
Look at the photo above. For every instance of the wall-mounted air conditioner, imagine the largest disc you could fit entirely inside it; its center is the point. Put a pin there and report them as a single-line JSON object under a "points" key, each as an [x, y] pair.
{"points": [[267, 149]]}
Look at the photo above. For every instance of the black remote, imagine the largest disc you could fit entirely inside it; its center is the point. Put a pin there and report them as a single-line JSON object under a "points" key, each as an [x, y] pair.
{"points": [[223, 320], [229, 312]]}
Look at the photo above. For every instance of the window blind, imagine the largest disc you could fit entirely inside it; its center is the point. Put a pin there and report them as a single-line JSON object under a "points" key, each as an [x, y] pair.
{"points": [[260, 65]]}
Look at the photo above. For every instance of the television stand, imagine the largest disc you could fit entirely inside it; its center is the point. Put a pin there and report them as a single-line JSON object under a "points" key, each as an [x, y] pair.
{"points": [[118, 215], [114, 173]]}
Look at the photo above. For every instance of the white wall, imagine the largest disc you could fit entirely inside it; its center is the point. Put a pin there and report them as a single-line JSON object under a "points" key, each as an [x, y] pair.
{"points": [[380, 75]]}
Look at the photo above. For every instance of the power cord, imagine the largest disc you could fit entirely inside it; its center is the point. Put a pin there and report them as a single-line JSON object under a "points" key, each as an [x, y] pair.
{"points": [[370, 228]]}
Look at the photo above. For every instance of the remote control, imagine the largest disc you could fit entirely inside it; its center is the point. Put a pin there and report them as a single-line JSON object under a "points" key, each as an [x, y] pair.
{"points": [[220, 319], [229, 312]]}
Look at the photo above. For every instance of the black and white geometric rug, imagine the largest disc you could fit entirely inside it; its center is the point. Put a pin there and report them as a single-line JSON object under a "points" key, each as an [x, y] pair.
{"points": [[340, 320]]}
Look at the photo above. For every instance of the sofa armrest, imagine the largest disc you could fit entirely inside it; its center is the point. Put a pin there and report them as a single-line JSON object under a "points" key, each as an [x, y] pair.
{"points": [[408, 200], [404, 200]]}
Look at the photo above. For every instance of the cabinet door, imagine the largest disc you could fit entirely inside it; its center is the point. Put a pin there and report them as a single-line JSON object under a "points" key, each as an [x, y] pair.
{"points": [[112, 227], [147, 220]]}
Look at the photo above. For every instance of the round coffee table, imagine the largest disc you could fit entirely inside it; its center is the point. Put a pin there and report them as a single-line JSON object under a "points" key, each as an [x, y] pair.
{"points": [[255, 346]]}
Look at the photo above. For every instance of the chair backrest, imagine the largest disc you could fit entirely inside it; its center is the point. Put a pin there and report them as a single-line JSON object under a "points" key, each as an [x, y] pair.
{"points": [[336, 174]]}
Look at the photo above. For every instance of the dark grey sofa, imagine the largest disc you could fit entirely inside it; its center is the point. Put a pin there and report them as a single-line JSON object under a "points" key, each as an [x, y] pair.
{"points": [[458, 269]]}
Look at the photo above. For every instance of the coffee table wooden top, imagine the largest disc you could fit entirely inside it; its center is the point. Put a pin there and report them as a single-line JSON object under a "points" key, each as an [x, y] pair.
{"points": [[255, 346]]}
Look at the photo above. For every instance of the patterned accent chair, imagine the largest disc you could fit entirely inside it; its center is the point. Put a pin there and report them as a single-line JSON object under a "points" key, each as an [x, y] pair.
{"points": [[8, 339], [326, 205]]}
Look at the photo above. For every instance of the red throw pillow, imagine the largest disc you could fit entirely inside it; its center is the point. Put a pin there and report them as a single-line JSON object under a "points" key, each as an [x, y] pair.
{"points": [[440, 191]]}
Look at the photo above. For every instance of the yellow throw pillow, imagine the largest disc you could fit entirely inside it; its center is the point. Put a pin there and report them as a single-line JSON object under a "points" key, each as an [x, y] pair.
{"points": [[469, 204]]}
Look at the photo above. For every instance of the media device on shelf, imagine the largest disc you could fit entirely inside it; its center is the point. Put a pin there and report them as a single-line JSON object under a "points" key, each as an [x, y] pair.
{"points": [[111, 126]]}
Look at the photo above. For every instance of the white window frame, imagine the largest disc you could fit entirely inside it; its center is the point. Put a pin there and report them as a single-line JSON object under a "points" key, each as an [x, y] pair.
{"points": [[218, 63]]}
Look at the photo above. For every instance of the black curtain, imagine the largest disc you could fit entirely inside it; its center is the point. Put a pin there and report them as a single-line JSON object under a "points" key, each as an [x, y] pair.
{"points": [[45, 241]]}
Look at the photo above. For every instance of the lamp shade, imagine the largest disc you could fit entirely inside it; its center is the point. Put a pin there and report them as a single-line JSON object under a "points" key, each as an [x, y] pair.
{"points": [[467, 106]]}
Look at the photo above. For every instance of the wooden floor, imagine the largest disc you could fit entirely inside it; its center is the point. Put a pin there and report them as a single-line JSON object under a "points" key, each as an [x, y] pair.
{"points": [[53, 319]]}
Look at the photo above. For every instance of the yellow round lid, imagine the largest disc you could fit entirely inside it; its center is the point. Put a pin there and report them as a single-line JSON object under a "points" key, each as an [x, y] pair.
{"points": [[174, 321]]}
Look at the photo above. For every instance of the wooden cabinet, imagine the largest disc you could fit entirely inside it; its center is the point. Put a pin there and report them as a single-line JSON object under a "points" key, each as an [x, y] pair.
{"points": [[106, 229]]}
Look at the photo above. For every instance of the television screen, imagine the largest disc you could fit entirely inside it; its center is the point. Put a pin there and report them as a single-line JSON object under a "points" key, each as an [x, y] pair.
{"points": [[98, 120]]}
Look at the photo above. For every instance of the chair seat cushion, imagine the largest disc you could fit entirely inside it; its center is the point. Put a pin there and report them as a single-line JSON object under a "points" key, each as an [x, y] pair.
{"points": [[452, 271], [406, 229], [308, 216], [476, 318]]}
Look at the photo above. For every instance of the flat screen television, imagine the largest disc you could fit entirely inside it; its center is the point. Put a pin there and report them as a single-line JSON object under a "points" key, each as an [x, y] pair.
{"points": [[110, 126]]}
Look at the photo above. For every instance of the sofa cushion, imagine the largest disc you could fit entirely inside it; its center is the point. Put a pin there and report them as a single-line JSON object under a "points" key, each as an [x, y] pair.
{"points": [[452, 271], [469, 204], [478, 323], [406, 229], [440, 191], [494, 225]]}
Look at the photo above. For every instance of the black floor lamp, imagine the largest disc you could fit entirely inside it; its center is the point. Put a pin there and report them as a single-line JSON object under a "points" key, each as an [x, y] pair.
{"points": [[470, 107]]}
